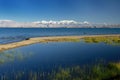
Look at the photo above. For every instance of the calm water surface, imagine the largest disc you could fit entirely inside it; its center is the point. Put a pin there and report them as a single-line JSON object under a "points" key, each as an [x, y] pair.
{"points": [[8, 35], [49, 56]]}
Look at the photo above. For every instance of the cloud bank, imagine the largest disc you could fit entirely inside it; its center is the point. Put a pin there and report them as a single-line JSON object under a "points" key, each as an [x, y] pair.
{"points": [[55, 24]]}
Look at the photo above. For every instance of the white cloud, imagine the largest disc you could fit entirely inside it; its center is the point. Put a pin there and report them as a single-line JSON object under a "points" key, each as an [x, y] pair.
{"points": [[86, 22], [51, 24], [7, 20]]}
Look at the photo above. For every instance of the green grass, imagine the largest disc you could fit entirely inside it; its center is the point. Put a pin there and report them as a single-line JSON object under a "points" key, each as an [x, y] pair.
{"points": [[100, 71], [97, 72], [112, 40], [9, 56]]}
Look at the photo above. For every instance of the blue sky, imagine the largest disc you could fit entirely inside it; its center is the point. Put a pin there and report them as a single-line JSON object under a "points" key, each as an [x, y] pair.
{"points": [[97, 11]]}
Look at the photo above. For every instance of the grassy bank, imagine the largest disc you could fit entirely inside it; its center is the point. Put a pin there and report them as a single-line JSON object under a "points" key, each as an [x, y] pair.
{"points": [[113, 40]]}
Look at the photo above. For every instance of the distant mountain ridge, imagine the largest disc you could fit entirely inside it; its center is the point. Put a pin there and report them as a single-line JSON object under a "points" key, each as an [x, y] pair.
{"points": [[55, 24]]}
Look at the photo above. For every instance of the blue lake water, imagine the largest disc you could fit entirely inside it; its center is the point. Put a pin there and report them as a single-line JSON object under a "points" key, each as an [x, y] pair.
{"points": [[45, 57], [8, 35]]}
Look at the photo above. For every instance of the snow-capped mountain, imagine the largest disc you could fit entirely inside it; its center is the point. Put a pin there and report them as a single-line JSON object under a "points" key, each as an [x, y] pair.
{"points": [[56, 24]]}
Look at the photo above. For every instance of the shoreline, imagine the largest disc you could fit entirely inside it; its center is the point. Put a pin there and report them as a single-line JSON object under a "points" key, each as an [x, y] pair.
{"points": [[49, 39]]}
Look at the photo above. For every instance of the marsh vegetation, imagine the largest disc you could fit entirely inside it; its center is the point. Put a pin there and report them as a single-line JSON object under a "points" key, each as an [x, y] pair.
{"points": [[100, 71], [111, 40], [12, 55]]}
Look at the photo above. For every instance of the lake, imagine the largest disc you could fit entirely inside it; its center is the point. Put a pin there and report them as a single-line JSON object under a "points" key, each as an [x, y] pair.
{"points": [[41, 59], [45, 57], [8, 35]]}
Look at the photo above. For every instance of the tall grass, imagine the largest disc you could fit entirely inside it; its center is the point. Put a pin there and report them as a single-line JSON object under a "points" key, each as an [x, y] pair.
{"points": [[100, 71], [111, 40]]}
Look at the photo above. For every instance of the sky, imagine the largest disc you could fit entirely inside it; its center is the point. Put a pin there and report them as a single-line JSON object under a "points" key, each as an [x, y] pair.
{"points": [[96, 11]]}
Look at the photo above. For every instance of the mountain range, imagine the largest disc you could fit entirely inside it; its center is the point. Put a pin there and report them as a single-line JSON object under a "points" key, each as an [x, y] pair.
{"points": [[55, 24]]}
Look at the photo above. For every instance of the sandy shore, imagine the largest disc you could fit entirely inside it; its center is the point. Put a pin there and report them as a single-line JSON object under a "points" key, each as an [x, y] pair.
{"points": [[45, 40]]}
